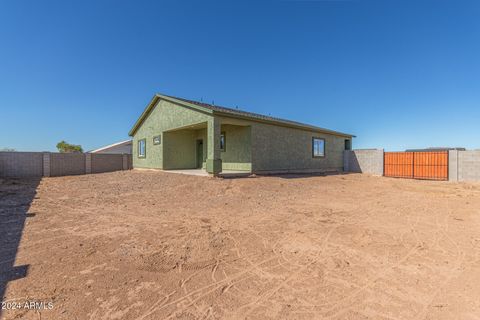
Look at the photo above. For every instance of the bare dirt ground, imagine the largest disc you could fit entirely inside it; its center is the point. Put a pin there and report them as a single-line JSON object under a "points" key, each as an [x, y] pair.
{"points": [[153, 245]]}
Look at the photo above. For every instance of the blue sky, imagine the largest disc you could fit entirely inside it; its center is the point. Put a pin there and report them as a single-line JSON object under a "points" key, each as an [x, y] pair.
{"points": [[398, 74]]}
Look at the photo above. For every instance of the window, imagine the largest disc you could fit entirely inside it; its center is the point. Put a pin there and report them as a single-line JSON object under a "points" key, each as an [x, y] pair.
{"points": [[142, 148], [222, 141], [348, 144], [157, 140], [318, 147]]}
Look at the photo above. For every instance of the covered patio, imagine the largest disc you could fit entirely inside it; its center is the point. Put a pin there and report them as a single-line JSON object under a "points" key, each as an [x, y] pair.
{"points": [[209, 147]]}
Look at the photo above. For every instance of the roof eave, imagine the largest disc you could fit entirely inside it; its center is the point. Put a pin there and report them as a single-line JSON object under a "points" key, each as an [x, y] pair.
{"points": [[285, 124], [144, 114]]}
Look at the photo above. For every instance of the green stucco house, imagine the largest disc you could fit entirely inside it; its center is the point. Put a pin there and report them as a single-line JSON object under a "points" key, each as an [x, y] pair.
{"points": [[175, 133]]}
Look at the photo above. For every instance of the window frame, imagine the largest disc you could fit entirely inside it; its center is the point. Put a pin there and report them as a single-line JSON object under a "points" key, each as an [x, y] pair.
{"points": [[145, 148], [324, 147], [224, 141], [159, 140]]}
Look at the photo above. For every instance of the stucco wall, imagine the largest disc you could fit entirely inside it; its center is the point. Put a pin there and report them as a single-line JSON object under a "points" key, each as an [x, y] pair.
{"points": [[237, 154], [179, 149], [276, 148], [201, 134], [165, 116]]}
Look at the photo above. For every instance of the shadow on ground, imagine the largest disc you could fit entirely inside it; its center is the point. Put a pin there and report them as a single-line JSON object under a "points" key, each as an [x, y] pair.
{"points": [[288, 175], [16, 196]]}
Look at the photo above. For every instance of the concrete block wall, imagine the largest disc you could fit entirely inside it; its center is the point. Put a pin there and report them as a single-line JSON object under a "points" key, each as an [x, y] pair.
{"points": [[364, 161], [50, 164], [464, 165], [129, 162], [21, 164], [88, 163], [126, 164], [66, 164], [106, 162], [46, 164]]}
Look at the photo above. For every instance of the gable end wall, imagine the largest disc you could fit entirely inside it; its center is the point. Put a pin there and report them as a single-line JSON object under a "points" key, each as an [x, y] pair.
{"points": [[164, 116]]}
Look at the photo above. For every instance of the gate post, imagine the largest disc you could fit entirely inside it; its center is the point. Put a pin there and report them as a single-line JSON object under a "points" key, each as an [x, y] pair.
{"points": [[453, 165], [383, 164]]}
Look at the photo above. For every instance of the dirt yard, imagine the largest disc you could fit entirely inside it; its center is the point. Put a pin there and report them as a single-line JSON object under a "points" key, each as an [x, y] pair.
{"points": [[153, 245]]}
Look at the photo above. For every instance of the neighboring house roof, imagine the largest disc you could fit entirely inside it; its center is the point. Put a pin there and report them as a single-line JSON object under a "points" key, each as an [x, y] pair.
{"points": [[117, 144], [229, 112]]}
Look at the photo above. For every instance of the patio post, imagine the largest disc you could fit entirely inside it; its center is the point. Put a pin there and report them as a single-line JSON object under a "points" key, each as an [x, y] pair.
{"points": [[214, 162]]}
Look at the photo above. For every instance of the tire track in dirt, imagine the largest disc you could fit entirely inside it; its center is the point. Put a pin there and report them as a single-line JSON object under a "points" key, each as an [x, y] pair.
{"points": [[253, 267], [381, 274], [371, 281], [340, 303], [203, 295], [389, 269], [216, 286], [246, 257], [459, 259], [267, 295]]}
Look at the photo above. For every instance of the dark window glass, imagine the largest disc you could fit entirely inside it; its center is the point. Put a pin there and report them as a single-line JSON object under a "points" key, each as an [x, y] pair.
{"points": [[348, 144], [222, 141]]}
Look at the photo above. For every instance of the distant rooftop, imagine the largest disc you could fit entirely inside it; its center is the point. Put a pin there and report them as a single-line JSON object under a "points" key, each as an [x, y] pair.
{"points": [[117, 144]]}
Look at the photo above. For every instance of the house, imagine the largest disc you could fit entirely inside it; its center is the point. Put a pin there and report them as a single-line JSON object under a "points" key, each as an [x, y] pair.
{"points": [[123, 147], [176, 133]]}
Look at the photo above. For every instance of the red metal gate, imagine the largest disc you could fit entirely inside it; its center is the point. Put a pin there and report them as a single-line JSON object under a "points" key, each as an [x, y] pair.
{"points": [[429, 165]]}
